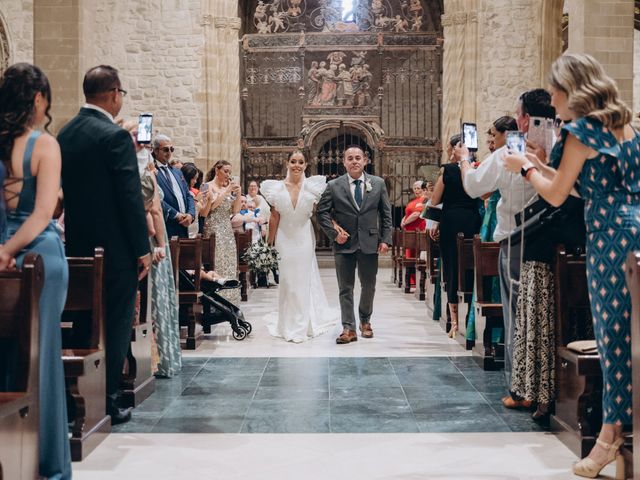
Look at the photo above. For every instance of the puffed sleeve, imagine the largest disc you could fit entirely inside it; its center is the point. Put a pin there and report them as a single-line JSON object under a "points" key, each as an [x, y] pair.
{"points": [[316, 185], [270, 190], [595, 135]]}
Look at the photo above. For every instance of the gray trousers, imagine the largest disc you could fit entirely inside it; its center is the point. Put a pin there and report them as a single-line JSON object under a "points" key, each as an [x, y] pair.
{"points": [[509, 268], [367, 265]]}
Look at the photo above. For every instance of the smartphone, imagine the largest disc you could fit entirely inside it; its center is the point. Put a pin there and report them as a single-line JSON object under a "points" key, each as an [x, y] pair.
{"points": [[470, 136], [516, 142], [145, 127], [541, 132], [204, 187]]}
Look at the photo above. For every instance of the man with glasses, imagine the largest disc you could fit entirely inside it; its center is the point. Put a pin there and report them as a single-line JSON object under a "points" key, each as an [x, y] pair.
{"points": [[178, 206], [104, 208]]}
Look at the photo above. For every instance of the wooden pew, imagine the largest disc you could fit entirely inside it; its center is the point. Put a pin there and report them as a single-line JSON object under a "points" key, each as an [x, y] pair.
{"points": [[409, 242], [138, 381], [578, 406], [399, 258], [189, 257], [243, 242], [432, 273], [488, 314], [395, 254], [19, 316], [465, 287], [83, 354], [421, 265], [208, 263], [633, 284]]}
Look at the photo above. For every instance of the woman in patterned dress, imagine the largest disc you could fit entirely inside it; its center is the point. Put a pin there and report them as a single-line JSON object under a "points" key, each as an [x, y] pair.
{"points": [[602, 158], [222, 200]]}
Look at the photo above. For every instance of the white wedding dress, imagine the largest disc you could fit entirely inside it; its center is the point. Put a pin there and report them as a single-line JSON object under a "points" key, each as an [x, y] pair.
{"points": [[303, 310]]}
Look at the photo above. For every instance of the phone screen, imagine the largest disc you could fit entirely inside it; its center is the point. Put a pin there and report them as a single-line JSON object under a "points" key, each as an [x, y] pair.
{"points": [[470, 136], [516, 142], [145, 127]]}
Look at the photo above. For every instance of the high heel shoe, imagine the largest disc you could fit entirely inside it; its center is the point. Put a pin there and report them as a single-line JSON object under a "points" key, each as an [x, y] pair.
{"points": [[589, 468], [453, 330]]}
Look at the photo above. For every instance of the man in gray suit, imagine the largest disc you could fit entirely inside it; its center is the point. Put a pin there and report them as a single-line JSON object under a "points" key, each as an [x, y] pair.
{"points": [[355, 213]]}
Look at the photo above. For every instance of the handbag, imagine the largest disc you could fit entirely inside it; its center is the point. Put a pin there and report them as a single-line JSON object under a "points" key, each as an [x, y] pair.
{"points": [[541, 216]]}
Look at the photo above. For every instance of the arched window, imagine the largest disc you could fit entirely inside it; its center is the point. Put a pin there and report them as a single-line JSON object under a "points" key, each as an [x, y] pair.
{"points": [[347, 11]]}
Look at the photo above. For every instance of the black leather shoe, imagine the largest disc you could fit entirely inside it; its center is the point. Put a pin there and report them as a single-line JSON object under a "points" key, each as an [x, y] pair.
{"points": [[119, 415]]}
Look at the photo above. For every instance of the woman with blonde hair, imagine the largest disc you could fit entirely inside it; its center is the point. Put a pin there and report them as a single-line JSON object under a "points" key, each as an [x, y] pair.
{"points": [[601, 157]]}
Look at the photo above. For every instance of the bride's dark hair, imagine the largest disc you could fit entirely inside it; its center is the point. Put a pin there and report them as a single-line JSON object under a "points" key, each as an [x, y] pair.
{"points": [[18, 88], [296, 151]]}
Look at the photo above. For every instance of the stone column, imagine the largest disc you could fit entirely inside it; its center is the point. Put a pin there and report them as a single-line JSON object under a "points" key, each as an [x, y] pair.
{"points": [[221, 124], [57, 52], [493, 51], [604, 29]]}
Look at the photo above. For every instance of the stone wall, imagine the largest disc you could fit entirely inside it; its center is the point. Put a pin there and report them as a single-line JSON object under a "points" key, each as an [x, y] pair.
{"points": [[158, 47], [17, 17], [494, 50]]}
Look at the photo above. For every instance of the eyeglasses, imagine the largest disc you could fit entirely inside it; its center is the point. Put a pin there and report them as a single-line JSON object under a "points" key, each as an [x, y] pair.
{"points": [[123, 92], [167, 149]]}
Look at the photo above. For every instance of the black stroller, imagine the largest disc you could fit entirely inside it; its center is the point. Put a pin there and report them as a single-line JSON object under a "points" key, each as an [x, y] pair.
{"points": [[216, 308]]}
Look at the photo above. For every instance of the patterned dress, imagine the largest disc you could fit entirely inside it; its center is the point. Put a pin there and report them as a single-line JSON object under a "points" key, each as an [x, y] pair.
{"points": [[218, 222], [610, 185]]}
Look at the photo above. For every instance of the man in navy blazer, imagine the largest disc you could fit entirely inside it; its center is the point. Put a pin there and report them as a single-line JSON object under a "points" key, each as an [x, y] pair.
{"points": [[178, 206]]}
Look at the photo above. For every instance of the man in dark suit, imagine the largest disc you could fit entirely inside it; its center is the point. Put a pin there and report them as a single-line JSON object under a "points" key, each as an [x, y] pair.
{"points": [[355, 213], [104, 208], [178, 206]]}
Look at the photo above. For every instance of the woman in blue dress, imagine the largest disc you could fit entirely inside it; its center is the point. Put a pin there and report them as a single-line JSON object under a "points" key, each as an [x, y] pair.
{"points": [[601, 158], [32, 161]]}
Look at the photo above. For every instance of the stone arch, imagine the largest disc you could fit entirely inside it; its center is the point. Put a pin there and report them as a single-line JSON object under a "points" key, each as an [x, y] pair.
{"points": [[5, 50], [313, 133]]}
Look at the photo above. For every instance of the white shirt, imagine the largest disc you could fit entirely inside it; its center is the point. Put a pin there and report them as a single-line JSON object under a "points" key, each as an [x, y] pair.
{"points": [[99, 109], [177, 191], [515, 191], [352, 186]]}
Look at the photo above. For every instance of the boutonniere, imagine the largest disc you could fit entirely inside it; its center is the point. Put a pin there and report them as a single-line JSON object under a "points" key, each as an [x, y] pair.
{"points": [[367, 185]]}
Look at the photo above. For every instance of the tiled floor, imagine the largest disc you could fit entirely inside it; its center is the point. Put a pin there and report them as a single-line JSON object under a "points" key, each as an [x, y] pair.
{"points": [[329, 395], [408, 404]]}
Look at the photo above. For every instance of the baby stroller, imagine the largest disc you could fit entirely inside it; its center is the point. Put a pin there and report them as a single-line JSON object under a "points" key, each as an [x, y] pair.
{"points": [[216, 308]]}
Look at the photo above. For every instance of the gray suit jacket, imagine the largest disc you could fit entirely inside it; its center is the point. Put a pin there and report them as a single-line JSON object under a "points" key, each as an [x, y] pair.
{"points": [[368, 227]]}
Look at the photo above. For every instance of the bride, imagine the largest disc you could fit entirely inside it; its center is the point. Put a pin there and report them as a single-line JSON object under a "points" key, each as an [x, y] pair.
{"points": [[303, 310]]}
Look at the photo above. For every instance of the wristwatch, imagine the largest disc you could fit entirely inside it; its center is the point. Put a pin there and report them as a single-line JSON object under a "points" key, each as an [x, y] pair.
{"points": [[526, 168]]}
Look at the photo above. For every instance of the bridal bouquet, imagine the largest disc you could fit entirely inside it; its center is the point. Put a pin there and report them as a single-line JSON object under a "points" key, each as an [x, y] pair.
{"points": [[261, 257]]}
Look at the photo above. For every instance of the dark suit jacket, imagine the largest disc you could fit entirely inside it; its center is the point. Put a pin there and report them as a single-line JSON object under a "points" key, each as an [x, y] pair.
{"points": [[368, 226], [170, 206], [102, 191]]}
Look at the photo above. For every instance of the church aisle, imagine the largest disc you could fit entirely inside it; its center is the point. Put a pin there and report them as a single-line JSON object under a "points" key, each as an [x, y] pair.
{"points": [[399, 321], [409, 403]]}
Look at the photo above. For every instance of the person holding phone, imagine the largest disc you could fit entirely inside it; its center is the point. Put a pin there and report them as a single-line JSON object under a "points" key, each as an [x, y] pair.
{"points": [[178, 204], [460, 213], [222, 200]]}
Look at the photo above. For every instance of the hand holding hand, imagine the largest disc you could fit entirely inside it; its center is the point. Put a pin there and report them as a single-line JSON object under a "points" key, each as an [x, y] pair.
{"points": [[383, 249]]}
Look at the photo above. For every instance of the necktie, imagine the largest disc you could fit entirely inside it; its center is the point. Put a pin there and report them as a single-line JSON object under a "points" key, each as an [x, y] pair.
{"points": [[357, 194], [166, 173]]}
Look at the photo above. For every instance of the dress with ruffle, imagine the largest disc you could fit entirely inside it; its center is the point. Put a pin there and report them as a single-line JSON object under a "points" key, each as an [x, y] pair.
{"points": [[303, 309]]}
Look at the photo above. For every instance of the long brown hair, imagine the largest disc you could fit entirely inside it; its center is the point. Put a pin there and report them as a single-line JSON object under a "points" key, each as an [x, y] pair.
{"points": [[217, 166]]}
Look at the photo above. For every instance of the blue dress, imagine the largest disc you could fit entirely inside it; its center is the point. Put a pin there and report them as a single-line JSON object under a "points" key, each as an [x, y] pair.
{"points": [[55, 457], [610, 185]]}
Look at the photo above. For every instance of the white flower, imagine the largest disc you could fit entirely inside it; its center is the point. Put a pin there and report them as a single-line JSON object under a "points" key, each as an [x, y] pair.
{"points": [[367, 185]]}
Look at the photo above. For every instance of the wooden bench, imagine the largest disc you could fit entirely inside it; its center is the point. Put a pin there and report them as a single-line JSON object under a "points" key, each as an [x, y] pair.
{"points": [[189, 257], [488, 314], [83, 354], [138, 381], [465, 287], [395, 253], [421, 266], [578, 406], [432, 274], [633, 284], [19, 318], [243, 243], [409, 242]]}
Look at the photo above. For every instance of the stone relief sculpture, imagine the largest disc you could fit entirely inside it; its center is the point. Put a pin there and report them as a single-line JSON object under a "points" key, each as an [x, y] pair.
{"points": [[399, 16], [338, 85]]}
